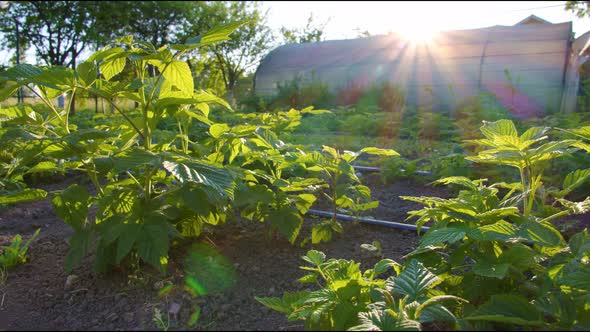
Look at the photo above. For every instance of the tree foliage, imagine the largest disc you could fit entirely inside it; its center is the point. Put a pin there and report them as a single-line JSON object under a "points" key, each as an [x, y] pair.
{"points": [[248, 44], [312, 32], [58, 30], [581, 8]]}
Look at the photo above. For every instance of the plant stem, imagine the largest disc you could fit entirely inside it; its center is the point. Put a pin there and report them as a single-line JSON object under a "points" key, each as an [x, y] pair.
{"points": [[67, 115]]}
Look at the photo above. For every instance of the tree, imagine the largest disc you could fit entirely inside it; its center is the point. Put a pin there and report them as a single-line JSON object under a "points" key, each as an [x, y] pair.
{"points": [[247, 45], [581, 8], [58, 30], [155, 21], [309, 34]]}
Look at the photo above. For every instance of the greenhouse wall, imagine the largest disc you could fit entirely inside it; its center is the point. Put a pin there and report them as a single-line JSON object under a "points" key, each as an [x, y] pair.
{"points": [[523, 65]]}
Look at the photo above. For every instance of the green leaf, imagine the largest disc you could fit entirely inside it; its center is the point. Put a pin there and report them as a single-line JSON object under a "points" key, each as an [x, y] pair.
{"points": [[578, 279], [314, 257], [113, 64], [72, 206], [499, 128], [439, 236], [78, 247], [127, 237], [381, 320], [542, 234], [26, 195], [152, 242], [287, 221], [534, 133], [134, 158], [583, 132], [331, 151], [379, 152], [383, 265], [506, 308], [87, 73], [487, 269], [308, 279], [414, 280], [521, 257], [498, 231], [253, 195], [179, 74], [575, 179], [86, 135], [458, 180], [21, 71], [321, 232], [44, 166], [194, 318], [217, 178], [212, 36], [436, 300], [285, 305], [218, 129], [304, 202]]}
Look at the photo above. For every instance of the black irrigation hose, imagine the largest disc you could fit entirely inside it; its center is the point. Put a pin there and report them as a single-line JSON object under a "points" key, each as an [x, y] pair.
{"points": [[389, 224]]}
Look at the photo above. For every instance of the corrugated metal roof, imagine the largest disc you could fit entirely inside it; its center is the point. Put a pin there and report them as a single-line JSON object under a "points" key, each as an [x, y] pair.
{"points": [[469, 60]]}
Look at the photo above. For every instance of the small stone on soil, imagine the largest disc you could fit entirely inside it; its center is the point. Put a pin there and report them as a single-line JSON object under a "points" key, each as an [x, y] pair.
{"points": [[174, 308], [70, 281]]}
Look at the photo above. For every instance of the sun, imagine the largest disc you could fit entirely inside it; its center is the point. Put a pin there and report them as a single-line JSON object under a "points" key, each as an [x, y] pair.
{"points": [[420, 34]]}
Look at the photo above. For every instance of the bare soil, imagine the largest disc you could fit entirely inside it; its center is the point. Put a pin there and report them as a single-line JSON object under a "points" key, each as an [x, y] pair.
{"points": [[35, 296]]}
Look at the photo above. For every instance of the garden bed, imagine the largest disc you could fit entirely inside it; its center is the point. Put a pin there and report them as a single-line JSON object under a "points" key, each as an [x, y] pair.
{"points": [[35, 295]]}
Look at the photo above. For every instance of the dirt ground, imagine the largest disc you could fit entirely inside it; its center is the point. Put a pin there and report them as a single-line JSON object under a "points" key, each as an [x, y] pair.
{"points": [[39, 295]]}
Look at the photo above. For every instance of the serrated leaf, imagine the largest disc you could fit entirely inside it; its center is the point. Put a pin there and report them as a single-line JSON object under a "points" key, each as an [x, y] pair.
{"points": [[26, 195], [575, 179], [498, 128], [383, 265], [217, 178], [321, 232], [72, 206], [218, 129], [490, 270], [308, 279], [458, 180], [78, 247], [44, 166], [314, 257], [113, 64], [379, 152], [542, 234], [179, 74], [414, 280], [506, 308], [126, 239], [380, 320], [287, 221], [579, 279], [152, 243], [212, 36], [87, 73], [438, 236], [286, 304]]}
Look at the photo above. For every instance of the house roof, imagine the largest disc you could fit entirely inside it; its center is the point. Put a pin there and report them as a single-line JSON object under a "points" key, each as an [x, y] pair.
{"points": [[533, 17]]}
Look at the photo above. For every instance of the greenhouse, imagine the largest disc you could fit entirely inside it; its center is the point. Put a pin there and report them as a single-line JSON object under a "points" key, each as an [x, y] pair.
{"points": [[526, 66]]}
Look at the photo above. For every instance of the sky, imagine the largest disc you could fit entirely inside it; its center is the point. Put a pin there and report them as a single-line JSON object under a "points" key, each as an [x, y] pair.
{"points": [[413, 18], [381, 17]]}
